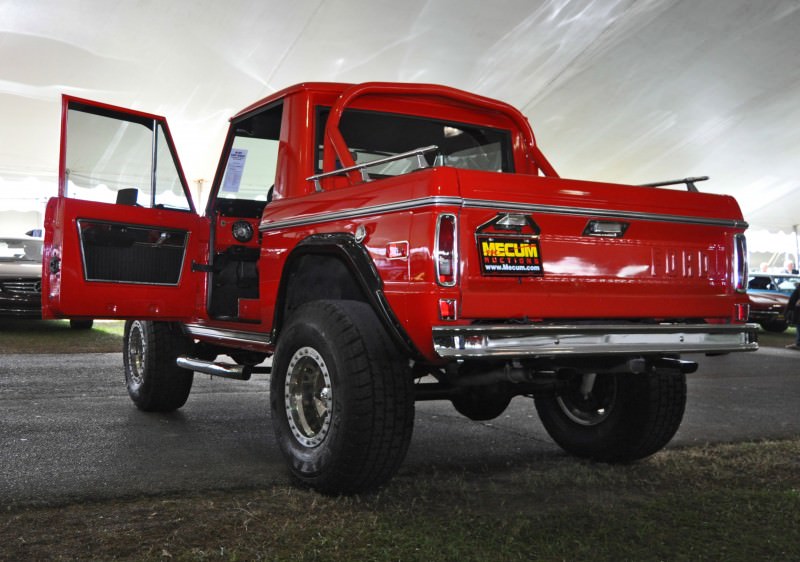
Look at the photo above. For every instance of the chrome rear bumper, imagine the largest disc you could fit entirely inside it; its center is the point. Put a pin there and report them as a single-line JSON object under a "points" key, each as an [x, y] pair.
{"points": [[500, 340]]}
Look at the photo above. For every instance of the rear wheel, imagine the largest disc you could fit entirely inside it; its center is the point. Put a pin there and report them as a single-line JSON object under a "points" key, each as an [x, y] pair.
{"points": [[623, 417], [776, 326], [341, 398], [155, 383]]}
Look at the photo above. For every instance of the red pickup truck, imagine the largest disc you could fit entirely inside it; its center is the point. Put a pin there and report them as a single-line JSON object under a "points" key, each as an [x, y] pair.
{"points": [[386, 243]]}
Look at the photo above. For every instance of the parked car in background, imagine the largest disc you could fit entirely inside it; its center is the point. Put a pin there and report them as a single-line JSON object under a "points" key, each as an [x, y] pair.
{"points": [[773, 282], [21, 280], [769, 296], [21, 277], [768, 309]]}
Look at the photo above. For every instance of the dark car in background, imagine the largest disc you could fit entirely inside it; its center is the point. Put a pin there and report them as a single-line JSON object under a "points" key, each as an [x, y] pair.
{"points": [[773, 282], [21, 280], [769, 296], [768, 309]]}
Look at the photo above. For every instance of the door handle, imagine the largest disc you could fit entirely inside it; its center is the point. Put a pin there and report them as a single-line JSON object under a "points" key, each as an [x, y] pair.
{"points": [[203, 267]]}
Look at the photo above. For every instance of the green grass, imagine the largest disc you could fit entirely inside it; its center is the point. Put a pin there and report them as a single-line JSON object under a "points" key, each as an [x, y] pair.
{"points": [[726, 502], [771, 339], [55, 336]]}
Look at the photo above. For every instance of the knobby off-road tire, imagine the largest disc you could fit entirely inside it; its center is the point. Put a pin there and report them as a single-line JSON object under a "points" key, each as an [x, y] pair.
{"points": [[342, 398], [155, 383], [624, 418]]}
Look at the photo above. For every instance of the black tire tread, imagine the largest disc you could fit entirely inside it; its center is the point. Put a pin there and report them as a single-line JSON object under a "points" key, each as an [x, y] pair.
{"points": [[379, 425], [167, 386], [662, 408], [651, 407]]}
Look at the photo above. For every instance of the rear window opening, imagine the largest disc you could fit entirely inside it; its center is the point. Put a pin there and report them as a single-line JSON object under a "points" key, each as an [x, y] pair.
{"points": [[372, 136]]}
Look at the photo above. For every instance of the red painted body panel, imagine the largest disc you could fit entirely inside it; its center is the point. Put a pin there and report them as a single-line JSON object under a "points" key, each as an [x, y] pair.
{"points": [[664, 267], [66, 293]]}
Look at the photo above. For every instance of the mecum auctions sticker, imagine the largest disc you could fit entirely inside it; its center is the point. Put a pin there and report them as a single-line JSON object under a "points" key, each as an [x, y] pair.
{"points": [[500, 255]]}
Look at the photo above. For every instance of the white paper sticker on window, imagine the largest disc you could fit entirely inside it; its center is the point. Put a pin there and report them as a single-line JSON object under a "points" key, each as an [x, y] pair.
{"points": [[234, 169]]}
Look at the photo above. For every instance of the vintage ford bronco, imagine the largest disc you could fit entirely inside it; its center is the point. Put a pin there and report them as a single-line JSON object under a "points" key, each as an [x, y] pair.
{"points": [[386, 243]]}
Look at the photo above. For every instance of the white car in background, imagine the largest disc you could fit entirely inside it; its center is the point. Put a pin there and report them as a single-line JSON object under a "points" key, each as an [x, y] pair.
{"points": [[21, 280]]}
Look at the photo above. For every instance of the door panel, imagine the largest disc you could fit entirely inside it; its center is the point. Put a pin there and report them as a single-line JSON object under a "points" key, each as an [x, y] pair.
{"points": [[121, 238], [128, 253]]}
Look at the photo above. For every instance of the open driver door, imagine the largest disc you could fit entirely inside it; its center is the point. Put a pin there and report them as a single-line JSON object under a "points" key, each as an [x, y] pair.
{"points": [[122, 237]]}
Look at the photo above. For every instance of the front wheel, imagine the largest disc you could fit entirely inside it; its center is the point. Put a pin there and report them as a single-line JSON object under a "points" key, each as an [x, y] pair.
{"points": [[341, 398], [155, 383], [621, 417]]}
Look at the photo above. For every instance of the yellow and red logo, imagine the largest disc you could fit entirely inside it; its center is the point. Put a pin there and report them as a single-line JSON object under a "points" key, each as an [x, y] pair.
{"points": [[509, 249], [510, 256]]}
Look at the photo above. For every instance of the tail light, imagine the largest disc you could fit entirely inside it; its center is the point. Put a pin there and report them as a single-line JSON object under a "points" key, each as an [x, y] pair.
{"points": [[448, 309], [740, 263], [445, 252], [742, 312]]}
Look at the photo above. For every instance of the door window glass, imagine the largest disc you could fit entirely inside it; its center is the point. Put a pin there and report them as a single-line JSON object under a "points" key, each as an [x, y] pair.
{"points": [[120, 158], [169, 187]]}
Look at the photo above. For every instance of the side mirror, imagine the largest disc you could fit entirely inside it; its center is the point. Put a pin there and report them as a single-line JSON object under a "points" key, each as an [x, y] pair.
{"points": [[127, 196]]}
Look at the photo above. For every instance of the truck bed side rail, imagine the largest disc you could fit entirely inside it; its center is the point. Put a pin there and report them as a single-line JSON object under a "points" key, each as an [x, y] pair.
{"points": [[690, 183]]}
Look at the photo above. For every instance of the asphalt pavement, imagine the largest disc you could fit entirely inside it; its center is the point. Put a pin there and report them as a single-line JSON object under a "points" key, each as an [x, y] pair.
{"points": [[68, 431]]}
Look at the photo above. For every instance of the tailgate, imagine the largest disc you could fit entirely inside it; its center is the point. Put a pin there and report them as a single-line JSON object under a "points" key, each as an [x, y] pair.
{"points": [[546, 248]]}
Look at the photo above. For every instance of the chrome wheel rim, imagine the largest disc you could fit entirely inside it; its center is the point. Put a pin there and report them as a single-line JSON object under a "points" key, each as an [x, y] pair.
{"points": [[308, 397], [136, 354], [593, 408]]}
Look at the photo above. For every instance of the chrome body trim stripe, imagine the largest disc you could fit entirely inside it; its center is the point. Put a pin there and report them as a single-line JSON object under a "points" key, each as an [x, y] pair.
{"points": [[494, 205], [489, 341], [362, 212], [592, 212], [229, 336]]}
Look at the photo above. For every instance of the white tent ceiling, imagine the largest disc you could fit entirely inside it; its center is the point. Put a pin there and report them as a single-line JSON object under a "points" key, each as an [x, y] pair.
{"points": [[620, 90]]}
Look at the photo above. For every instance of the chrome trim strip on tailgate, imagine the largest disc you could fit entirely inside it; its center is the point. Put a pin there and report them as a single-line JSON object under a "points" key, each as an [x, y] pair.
{"points": [[479, 341], [592, 212]]}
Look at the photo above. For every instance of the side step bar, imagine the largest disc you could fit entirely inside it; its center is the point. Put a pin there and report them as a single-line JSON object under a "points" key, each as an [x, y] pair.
{"points": [[224, 370]]}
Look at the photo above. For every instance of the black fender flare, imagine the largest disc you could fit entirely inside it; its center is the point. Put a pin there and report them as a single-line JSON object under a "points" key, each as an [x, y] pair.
{"points": [[359, 264]]}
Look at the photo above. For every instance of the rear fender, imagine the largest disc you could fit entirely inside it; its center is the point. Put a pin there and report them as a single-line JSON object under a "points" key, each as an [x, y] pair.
{"points": [[335, 266]]}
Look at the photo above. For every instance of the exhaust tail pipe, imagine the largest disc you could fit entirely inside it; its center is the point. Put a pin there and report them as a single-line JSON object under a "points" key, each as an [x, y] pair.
{"points": [[224, 370]]}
